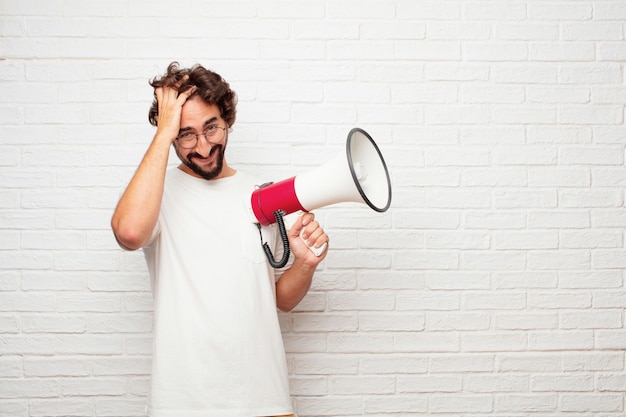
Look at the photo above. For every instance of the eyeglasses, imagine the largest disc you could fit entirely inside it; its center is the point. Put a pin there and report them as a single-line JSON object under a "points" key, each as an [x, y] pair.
{"points": [[213, 134]]}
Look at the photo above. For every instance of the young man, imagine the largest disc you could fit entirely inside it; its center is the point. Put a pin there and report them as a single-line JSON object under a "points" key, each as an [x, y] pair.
{"points": [[217, 344]]}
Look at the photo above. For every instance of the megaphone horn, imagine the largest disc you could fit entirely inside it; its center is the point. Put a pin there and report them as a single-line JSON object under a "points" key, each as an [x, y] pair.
{"points": [[360, 176], [363, 178]]}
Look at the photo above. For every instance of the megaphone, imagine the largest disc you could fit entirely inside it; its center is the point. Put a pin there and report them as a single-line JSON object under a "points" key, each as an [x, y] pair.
{"points": [[359, 175]]}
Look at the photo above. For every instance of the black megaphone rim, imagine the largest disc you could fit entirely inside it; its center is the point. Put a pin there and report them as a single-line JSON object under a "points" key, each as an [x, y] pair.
{"points": [[355, 177]]}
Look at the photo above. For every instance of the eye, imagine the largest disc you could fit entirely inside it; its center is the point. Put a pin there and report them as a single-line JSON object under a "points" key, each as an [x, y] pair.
{"points": [[186, 136], [211, 130]]}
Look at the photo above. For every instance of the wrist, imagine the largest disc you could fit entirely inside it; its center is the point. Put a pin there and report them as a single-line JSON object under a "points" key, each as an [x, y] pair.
{"points": [[304, 265], [164, 137]]}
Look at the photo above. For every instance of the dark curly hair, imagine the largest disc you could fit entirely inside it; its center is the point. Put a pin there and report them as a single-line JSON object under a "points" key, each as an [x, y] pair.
{"points": [[211, 87]]}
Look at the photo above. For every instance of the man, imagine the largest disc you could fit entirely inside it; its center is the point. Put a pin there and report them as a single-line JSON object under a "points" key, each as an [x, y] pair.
{"points": [[217, 345]]}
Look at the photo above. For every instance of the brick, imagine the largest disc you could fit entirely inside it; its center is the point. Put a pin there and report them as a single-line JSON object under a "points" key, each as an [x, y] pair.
{"points": [[560, 340], [495, 51], [454, 403], [119, 323], [329, 406], [37, 367], [61, 407], [494, 342], [604, 31], [576, 259], [557, 300], [580, 239], [528, 362], [525, 321], [39, 323], [358, 385], [345, 342], [526, 240], [593, 361], [592, 402], [610, 340], [366, 300], [612, 382], [325, 364], [497, 383], [308, 386], [409, 301], [494, 220], [396, 404], [471, 31], [559, 11], [426, 342], [396, 364], [559, 177], [525, 279], [391, 322], [559, 95], [431, 10], [112, 407], [324, 322], [14, 408], [455, 321], [561, 383], [11, 367], [527, 31], [586, 115], [556, 219], [528, 403], [89, 303], [562, 52], [429, 384]]}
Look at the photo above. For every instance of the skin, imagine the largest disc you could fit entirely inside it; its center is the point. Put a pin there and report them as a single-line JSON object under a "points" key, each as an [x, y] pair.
{"points": [[137, 212]]}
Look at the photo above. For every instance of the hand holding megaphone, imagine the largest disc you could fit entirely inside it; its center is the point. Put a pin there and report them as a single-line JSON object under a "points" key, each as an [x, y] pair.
{"points": [[359, 175], [310, 233]]}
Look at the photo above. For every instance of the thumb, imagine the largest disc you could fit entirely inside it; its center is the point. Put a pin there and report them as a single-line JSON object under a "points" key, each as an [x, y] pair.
{"points": [[296, 227]]}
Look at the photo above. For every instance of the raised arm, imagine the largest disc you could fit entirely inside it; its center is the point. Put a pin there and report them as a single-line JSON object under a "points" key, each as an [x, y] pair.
{"points": [[137, 211]]}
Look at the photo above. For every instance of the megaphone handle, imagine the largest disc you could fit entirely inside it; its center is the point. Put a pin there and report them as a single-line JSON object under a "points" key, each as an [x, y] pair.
{"points": [[317, 251]]}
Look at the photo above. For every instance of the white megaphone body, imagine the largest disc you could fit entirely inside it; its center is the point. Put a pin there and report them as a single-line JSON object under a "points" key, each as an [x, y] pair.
{"points": [[358, 175]]}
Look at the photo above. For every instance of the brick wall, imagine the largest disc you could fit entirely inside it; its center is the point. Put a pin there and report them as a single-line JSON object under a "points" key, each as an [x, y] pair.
{"points": [[494, 285]]}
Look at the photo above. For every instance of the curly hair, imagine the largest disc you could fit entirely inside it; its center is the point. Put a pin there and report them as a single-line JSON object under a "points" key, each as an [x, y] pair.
{"points": [[211, 87]]}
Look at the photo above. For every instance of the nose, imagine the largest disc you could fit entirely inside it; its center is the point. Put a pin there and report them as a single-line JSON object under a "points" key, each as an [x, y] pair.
{"points": [[204, 146]]}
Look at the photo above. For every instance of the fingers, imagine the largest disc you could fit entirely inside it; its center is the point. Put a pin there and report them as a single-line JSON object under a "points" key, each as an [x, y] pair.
{"points": [[187, 93], [167, 95], [170, 104], [312, 233]]}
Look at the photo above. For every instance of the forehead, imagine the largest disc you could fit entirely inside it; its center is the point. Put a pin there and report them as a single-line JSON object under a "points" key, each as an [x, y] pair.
{"points": [[197, 111]]}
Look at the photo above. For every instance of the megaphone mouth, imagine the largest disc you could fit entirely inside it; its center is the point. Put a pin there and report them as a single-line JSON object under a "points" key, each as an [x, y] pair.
{"points": [[362, 166]]}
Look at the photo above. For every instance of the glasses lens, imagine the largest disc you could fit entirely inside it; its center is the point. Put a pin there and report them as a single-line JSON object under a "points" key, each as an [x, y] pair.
{"points": [[188, 143], [212, 136]]}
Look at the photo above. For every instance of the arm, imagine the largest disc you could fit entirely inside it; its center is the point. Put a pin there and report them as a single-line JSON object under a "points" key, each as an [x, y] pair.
{"points": [[296, 281], [137, 212]]}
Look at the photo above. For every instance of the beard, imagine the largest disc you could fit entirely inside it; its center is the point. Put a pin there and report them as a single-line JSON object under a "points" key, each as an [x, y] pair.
{"points": [[213, 171]]}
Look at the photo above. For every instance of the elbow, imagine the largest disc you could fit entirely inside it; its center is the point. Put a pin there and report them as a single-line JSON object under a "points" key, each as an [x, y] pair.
{"points": [[286, 307], [127, 237]]}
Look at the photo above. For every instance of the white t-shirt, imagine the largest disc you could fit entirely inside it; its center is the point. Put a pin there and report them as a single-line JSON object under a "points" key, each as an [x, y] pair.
{"points": [[218, 348]]}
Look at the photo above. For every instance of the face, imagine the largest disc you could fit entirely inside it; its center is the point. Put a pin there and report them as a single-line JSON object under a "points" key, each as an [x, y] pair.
{"points": [[205, 160]]}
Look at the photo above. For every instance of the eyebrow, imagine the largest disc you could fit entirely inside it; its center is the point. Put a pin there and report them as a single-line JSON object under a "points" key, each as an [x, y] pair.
{"points": [[206, 123]]}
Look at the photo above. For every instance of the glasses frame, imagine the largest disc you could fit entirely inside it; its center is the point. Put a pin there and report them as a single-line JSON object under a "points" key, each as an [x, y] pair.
{"points": [[205, 134]]}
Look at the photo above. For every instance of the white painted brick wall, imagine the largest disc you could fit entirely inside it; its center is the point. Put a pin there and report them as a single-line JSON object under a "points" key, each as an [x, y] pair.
{"points": [[494, 286]]}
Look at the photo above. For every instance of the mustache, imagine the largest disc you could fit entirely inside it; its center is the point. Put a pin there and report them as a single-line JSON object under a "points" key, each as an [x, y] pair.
{"points": [[214, 149]]}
